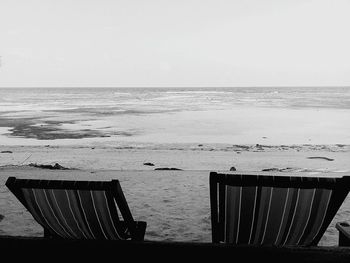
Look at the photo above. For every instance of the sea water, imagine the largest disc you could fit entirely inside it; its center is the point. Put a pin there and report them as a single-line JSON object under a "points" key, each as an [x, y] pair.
{"points": [[265, 115]]}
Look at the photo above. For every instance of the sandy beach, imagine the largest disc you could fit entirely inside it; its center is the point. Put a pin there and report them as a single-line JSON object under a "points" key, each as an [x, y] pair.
{"points": [[175, 204], [162, 143]]}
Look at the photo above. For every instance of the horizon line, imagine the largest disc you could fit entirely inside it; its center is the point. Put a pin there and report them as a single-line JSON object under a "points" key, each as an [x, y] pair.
{"points": [[138, 87]]}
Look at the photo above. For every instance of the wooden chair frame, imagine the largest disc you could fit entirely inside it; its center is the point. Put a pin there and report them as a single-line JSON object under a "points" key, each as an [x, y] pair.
{"points": [[218, 181], [136, 228]]}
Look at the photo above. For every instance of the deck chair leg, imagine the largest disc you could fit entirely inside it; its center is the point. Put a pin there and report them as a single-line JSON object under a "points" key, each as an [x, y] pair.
{"points": [[140, 231], [344, 234], [47, 234]]}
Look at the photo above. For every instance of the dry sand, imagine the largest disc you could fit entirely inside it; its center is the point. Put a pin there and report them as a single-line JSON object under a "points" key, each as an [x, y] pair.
{"points": [[175, 204]]}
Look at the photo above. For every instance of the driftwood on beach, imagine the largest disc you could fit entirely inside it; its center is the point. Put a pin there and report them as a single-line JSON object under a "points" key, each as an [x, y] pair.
{"points": [[167, 169], [6, 152], [323, 158], [56, 166], [288, 169]]}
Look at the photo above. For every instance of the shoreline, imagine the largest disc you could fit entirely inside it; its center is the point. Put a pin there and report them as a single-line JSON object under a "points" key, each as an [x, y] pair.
{"points": [[143, 156]]}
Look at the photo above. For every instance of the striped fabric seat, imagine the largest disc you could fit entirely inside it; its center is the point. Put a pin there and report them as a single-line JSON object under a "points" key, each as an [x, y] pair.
{"points": [[78, 209], [273, 210]]}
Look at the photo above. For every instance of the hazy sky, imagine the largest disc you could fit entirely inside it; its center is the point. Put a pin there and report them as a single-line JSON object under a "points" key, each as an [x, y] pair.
{"points": [[174, 43]]}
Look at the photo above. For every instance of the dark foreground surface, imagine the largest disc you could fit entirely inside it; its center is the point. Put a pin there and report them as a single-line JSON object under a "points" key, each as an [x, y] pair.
{"points": [[41, 250]]}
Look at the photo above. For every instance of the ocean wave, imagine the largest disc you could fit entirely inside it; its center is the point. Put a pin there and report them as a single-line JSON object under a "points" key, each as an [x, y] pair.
{"points": [[41, 100]]}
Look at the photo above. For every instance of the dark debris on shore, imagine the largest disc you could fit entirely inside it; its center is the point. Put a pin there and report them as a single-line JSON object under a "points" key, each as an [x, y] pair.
{"points": [[321, 157], [6, 152], [56, 166], [148, 164], [167, 169]]}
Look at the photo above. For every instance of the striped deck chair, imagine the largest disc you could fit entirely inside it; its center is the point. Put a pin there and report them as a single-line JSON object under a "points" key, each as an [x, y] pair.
{"points": [[78, 209], [273, 210]]}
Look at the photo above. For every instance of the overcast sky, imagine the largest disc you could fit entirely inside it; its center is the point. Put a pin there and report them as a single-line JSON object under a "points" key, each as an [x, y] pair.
{"points": [[123, 43]]}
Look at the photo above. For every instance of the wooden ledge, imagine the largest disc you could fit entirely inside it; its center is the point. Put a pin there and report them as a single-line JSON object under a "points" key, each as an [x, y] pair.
{"points": [[48, 249]]}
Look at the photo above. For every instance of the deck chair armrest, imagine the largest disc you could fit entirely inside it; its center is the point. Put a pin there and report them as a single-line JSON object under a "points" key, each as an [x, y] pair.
{"points": [[344, 234]]}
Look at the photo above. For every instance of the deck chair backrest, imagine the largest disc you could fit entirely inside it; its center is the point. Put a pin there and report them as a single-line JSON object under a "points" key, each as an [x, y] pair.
{"points": [[273, 210], [76, 209]]}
